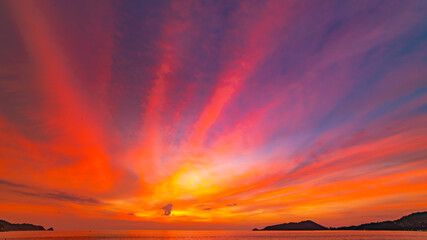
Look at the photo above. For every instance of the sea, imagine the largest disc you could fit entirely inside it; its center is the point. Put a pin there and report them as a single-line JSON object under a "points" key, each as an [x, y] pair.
{"points": [[217, 235]]}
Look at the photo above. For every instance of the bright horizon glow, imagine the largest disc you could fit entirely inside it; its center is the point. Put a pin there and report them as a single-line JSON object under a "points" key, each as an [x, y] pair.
{"points": [[239, 114]]}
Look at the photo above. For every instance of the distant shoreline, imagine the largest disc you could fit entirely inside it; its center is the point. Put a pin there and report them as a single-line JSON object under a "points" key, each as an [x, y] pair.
{"points": [[413, 222]]}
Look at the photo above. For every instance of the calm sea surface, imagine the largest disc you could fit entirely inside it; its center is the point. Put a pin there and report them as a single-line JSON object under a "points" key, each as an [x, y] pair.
{"points": [[218, 235]]}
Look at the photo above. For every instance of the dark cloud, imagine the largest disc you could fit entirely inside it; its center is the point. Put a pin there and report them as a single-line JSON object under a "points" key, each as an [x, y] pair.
{"points": [[62, 196], [4, 182], [168, 209], [232, 204], [207, 209]]}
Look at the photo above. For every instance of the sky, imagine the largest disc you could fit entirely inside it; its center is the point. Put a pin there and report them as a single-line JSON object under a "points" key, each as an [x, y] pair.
{"points": [[212, 114]]}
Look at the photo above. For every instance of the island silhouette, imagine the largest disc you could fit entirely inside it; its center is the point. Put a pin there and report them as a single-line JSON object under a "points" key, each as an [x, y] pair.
{"points": [[413, 222], [304, 225], [7, 226]]}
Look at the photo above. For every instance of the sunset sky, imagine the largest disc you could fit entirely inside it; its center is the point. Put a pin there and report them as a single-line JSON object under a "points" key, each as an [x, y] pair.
{"points": [[227, 114]]}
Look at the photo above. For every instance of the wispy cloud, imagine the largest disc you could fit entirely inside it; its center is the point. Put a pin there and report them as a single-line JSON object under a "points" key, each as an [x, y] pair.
{"points": [[8, 183], [61, 196]]}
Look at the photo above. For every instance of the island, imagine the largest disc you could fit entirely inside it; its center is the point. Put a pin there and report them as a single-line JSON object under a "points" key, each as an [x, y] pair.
{"points": [[304, 225], [7, 226], [413, 222]]}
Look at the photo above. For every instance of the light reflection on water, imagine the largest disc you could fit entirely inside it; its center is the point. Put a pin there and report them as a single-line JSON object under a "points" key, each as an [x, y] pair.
{"points": [[218, 235]]}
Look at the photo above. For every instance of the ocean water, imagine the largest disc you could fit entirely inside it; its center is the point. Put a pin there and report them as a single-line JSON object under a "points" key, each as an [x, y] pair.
{"points": [[217, 235]]}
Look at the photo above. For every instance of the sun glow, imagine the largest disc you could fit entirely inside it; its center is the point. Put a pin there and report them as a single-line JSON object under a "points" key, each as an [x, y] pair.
{"points": [[193, 182]]}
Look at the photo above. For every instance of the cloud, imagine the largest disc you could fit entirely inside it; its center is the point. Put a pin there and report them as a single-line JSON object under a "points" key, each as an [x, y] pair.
{"points": [[62, 196], [4, 182], [168, 209]]}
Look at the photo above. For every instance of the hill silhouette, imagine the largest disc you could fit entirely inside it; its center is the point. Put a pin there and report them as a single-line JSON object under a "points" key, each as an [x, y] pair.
{"points": [[7, 226], [412, 222], [304, 225]]}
